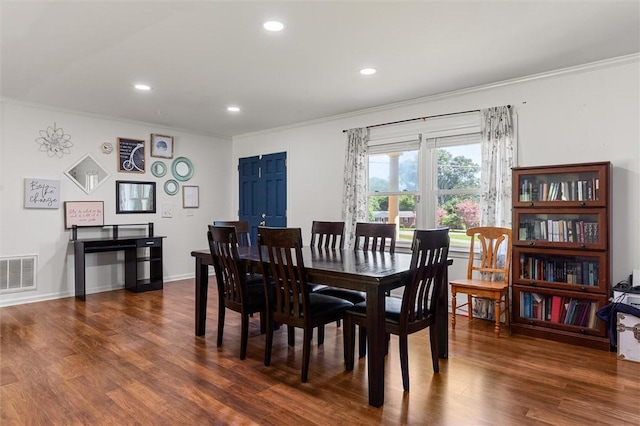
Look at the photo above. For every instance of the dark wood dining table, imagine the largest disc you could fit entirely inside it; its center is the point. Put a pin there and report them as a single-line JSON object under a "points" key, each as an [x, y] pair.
{"points": [[372, 272]]}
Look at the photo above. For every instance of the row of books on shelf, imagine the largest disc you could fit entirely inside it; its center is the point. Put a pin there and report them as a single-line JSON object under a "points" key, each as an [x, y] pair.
{"points": [[559, 269], [559, 310], [569, 231], [574, 190]]}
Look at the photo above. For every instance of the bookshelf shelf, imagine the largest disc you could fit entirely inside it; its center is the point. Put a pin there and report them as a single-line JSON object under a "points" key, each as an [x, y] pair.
{"points": [[561, 256]]}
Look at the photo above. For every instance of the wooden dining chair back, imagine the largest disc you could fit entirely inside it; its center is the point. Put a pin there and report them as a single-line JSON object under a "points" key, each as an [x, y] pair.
{"points": [[242, 230], [291, 302], [418, 308], [234, 292], [488, 275], [328, 235], [375, 236]]}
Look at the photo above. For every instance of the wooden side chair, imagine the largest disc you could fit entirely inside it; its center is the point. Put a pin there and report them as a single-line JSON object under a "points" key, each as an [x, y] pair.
{"points": [[234, 292], [417, 309], [291, 302], [375, 236], [329, 236], [488, 278], [242, 230]]}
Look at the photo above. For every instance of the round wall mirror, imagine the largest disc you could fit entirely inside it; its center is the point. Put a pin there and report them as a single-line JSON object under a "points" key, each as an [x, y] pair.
{"points": [[171, 187], [158, 169], [182, 169]]}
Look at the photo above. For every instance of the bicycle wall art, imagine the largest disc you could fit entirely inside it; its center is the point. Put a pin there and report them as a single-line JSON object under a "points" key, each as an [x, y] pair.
{"points": [[131, 155]]}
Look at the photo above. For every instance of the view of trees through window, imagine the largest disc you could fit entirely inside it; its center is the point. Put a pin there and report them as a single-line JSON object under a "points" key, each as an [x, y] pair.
{"points": [[394, 189]]}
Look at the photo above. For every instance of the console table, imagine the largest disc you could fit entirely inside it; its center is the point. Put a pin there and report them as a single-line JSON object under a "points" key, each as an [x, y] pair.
{"points": [[133, 255]]}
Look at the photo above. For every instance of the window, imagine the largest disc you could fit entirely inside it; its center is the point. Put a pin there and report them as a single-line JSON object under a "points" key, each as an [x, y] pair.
{"points": [[426, 184]]}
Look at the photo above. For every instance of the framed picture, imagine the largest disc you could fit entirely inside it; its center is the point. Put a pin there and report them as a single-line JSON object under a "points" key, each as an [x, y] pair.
{"points": [[135, 197], [131, 155], [41, 193], [83, 213], [161, 146], [190, 197]]}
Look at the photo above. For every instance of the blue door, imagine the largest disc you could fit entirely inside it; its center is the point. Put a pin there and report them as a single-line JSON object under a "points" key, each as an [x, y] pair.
{"points": [[263, 191]]}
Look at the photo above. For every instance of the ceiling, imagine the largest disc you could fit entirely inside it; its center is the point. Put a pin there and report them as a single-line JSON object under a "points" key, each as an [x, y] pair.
{"points": [[202, 56]]}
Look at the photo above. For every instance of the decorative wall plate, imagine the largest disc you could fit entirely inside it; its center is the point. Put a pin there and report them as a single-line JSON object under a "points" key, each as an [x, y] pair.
{"points": [[182, 169], [171, 187], [158, 169]]}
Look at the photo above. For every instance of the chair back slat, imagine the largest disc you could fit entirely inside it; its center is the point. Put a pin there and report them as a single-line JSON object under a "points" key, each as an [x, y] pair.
{"points": [[285, 265], [375, 237], [230, 270], [242, 230], [327, 235], [495, 253], [430, 249]]}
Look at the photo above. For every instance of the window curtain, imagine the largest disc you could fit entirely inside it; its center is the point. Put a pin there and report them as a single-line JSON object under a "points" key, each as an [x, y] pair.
{"points": [[354, 196], [497, 160]]}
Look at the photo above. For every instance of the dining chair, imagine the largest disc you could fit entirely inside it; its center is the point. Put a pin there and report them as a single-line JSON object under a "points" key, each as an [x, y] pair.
{"points": [[418, 307], [242, 230], [234, 292], [375, 236], [325, 236], [291, 302], [244, 240], [489, 276]]}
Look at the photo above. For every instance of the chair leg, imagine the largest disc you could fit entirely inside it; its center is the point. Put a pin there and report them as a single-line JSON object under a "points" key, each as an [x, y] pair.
{"points": [[453, 308], [404, 360], [497, 315], [338, 323], [433, 337], [244, 336], [221, 311], [470, 306], [263, 322], [349, 340], [291, 335], [320, 335], [269, 342], [306, 352], [362, 342]]}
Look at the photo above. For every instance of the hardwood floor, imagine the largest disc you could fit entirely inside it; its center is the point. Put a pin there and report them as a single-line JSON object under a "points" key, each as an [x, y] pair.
{"points": [[125, 358]]}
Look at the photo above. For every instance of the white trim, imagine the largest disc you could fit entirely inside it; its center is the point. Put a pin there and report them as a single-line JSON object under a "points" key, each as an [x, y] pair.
{"points": [[591, 66]]}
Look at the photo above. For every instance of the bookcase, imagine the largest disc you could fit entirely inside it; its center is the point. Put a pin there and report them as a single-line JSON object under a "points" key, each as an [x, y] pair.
{"points": [[561, 272]]}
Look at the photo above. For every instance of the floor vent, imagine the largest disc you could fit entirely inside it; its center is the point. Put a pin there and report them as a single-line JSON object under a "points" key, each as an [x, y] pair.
{"points": [[17, 273]]}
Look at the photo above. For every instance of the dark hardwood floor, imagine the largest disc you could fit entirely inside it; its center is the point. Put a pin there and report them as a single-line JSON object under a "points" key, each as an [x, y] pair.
{"points": [[125, 358]]}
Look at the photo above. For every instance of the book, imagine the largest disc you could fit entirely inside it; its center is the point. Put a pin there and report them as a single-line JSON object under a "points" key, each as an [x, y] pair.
{"points": [[556, 305]]}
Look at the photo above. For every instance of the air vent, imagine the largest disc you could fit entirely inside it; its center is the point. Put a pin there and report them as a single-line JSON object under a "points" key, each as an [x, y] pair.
{"points": [[17, 273]]}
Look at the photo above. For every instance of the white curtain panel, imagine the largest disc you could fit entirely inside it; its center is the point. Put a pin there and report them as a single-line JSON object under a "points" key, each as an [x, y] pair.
{"points": [[354, 196], [497, 161]]}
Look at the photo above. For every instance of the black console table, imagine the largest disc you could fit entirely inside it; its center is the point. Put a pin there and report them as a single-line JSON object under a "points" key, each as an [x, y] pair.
{"points": [[133, 256]]}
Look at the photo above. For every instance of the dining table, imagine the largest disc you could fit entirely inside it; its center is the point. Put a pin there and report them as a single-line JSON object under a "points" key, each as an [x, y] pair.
{"points": [[372, 272]]}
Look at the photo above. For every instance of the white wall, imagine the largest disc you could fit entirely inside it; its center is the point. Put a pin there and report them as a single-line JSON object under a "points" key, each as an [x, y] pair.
{"points": [[41, 232], [586, 114]]}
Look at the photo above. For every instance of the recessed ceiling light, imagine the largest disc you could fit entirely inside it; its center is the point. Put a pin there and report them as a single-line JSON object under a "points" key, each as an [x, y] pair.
{"points": [[273, 26], [142, 87], [233, 109], [368, 71]]}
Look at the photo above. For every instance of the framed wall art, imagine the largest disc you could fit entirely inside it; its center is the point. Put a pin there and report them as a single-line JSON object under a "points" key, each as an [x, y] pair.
{"points": [[131, 155], [161, 146], [41, 193], [190, 197], [83, 213]]}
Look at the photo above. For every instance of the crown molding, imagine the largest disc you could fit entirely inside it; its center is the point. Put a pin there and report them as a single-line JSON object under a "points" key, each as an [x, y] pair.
{"points": [[591, 66], [110, 118]]}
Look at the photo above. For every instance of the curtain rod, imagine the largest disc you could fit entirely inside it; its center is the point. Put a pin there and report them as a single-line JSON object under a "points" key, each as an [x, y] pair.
{"points": [[420, 118]]}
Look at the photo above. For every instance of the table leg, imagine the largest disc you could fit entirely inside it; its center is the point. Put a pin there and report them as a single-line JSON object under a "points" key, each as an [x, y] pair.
{"points": [[80, 285], [202, 286], [376, 342], [443, 317]]}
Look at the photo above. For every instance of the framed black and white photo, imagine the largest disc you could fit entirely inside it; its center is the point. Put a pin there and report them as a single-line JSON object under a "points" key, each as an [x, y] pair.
{"points": [[161, 146]]}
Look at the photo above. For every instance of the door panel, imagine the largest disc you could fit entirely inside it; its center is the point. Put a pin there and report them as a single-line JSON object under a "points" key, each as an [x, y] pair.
{"points": [[263, 191]]}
